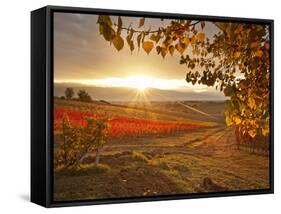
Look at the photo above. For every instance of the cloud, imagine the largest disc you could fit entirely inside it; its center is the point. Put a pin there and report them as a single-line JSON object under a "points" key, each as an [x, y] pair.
{"points": [[81, 53]]}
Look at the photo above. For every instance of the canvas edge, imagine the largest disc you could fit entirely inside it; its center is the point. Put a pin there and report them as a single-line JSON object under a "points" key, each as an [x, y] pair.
{"points": [[38, 104], [49, 71]]}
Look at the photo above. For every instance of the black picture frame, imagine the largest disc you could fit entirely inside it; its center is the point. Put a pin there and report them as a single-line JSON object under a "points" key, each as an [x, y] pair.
{"points": [[42, 104]]}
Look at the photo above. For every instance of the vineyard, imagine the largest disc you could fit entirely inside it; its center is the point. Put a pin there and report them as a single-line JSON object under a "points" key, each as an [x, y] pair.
{"points": [[123, 126], [106, 151], [83, 131]]}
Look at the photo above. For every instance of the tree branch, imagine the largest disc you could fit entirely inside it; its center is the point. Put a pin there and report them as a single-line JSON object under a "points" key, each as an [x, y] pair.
{"points": [[155, 31]]}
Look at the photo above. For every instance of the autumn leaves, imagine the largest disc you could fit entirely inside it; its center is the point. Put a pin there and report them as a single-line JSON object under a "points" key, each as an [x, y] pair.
{"points": [[163, 40], [235, 60], [147, 46], [118, 42], [255, 46]]}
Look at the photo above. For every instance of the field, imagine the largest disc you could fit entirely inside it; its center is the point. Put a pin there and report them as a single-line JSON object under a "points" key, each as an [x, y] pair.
{"points": [[162, 148]]}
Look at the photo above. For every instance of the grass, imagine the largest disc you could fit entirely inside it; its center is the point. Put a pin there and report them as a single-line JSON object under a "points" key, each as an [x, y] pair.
{"points": [[136, 155], [85, 169], [161, 162], [95, 168], [176, 177]]}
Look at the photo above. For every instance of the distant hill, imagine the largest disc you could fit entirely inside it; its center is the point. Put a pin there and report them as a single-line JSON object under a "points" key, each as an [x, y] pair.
{"points": [[128, 94]]}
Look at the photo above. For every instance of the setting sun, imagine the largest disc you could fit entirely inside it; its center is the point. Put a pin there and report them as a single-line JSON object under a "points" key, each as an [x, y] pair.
{"points": [[139, 82], [141, 87]]}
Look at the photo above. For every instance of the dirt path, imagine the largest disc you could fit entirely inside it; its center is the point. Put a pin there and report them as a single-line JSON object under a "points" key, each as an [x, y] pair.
{"points": [[160, 144]]}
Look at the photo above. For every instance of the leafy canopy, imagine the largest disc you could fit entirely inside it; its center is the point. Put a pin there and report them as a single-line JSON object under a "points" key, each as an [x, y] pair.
{"points": [[235, 60]]}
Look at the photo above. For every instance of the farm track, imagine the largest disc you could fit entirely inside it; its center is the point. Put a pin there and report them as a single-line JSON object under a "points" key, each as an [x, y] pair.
{"points": [[182, 142]]}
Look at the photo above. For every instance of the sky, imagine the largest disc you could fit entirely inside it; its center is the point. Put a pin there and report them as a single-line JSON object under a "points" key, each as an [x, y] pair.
{"points": [[81, 55]]}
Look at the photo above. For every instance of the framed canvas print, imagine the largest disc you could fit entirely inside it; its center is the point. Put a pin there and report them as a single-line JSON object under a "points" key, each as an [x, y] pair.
{"points": [[138, 106]]}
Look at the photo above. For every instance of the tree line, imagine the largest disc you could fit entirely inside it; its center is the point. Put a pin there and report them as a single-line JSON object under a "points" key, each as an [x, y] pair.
{"points": [[82, 95]]}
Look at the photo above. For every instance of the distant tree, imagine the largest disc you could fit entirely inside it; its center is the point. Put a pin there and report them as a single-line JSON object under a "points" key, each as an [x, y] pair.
{"points": [[84, 96], [62, 97], [69, 93]]}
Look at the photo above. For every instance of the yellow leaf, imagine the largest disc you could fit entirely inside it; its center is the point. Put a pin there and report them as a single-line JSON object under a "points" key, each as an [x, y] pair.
{"points": [[252, 122], [118, 42], [259, 53], [252, 133], [237, 120], [147, 46], [237, 54], [228, 120], [200, 37], [265, 131], [158, 49], [251, 102], [119, 25], [180, 47], [186, 41], [106, 32], [171, 50], [196, 52], [192, 40]]}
